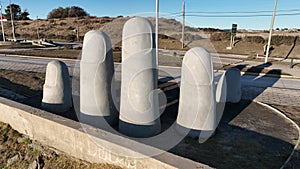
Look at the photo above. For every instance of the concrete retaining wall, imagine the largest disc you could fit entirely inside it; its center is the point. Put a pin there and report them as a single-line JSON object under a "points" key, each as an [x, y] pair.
{"points": [[68, 136]]}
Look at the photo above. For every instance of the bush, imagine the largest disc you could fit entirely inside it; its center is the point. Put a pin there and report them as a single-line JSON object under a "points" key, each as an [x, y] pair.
{"points": [[255, 39], [25, 23], [73, 11], [71, 28], [70, 38], [162, 36], [27, 36], [42, 35], [283, 40], [62, 23], [218, 36], [59, 37], [51, 36], [68, 47]]}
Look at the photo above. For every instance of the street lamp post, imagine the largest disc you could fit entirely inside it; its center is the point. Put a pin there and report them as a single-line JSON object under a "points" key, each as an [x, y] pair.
{"points": [[271, 31], [38, 27], [156, 30], [3, 34], [183, 22], [12, 21]]}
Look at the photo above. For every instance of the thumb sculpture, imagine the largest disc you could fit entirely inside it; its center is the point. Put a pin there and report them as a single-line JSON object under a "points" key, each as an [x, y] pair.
{"points": [[57, 95], [139, 111], [234, 89], [197, 105], [96, 81]]}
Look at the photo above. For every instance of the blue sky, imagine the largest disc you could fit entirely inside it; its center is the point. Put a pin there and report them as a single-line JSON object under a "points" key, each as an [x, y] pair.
{"points": [[139, 7]]}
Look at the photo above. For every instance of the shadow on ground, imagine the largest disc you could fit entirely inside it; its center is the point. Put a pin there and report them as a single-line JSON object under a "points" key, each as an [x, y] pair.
{"points": [[248, 136]]}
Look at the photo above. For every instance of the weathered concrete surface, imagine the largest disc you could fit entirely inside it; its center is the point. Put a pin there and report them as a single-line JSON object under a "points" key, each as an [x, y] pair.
{"points": [[57, 94], [68, 136], [221, 92], [197, 104], [234, 87], [139, 110], [96, 81]]}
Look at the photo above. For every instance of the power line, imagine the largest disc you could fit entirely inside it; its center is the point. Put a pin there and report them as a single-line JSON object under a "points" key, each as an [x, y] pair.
{"points": [[240, 16], [235, 12]]}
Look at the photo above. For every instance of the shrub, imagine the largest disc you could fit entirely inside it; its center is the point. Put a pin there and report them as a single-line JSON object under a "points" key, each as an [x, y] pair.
{"points": [[27, 36], [162, 36], [70, 38], [73, 11], [283, 40], [68, 47], [71, 28], [51, 36], [218, 36], [25, 23], [62, 23], [254, 39], [42, 35]]}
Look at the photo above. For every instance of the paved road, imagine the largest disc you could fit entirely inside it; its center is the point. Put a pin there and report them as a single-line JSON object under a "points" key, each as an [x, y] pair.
{"points": [[38, 65], [271, 90]]}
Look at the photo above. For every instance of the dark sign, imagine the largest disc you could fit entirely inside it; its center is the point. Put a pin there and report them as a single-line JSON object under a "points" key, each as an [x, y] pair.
{"points": [[234, 29]]}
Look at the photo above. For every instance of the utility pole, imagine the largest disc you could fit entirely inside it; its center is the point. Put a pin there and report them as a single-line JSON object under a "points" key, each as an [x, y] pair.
{"points": [[183, 22], [77, 28], [156, 30], [271, 31], [38, 26], [3, 34], [12, 21]]}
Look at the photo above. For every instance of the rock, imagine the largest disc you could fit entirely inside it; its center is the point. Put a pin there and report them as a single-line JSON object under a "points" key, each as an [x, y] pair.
{"points": [[37, 164], [33, 165], [36, 147], [12, 160], [139, 109], [20, 140], [97, 85], [197, 104], [57, 94]]}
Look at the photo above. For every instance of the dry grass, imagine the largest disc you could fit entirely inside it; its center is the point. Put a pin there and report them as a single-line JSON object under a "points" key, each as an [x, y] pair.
{"points": [[62, 29], [13, 143]]}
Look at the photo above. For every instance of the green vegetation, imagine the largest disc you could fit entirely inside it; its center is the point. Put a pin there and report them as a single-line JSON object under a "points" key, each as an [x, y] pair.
{"points": [[16, 12], [73, 11]]}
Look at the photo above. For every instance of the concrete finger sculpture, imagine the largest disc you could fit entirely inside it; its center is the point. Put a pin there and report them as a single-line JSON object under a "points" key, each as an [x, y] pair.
{"points": [[57, 95], [233, 81], [197, 105], [221, 92], [97, 82], [139, 111]]}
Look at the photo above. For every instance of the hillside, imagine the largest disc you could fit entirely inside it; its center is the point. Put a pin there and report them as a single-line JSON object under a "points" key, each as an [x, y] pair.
{"points": [[214, 40]]}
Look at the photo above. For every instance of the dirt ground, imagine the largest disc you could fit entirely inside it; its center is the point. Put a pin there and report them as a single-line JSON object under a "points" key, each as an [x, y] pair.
{"points": [[248, 136], [248, 48]]}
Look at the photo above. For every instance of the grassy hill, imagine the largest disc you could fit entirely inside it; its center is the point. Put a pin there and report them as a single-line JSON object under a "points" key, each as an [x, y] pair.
{"points": [[285, 44]]}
